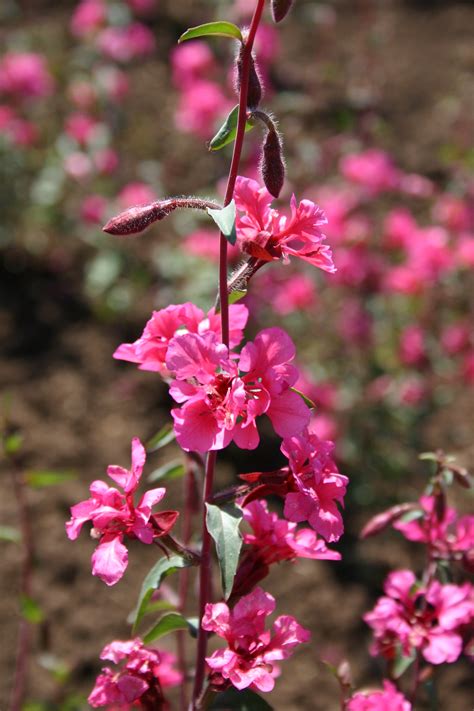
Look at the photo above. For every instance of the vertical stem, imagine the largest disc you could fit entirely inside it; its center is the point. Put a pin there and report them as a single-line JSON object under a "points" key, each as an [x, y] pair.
{"points": [[205, 569], [24, 633]]}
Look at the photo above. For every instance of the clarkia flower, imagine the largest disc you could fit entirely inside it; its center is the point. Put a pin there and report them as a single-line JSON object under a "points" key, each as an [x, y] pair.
{"points": [[139, 682], [222, 398], [114, 516], [151, 349], [251, 652], [410, 617], [386, 699], [266, 235]]}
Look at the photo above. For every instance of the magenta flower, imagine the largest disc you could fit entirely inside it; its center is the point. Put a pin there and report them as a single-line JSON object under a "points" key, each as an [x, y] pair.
{"points": [[150, 350], [450, 537], [266, 235], [386, 699], [141, 679], [410, 617], [373, 169], [114, 516], [24, 75], [319, 487], [249, 659], [222, 399]]}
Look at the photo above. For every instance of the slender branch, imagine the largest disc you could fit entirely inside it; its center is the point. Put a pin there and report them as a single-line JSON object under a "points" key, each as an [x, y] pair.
{"points": [[24, 633], [205, 570]]}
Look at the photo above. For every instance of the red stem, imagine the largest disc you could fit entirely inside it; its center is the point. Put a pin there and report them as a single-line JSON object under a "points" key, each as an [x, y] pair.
{"points": [[24, 633], [205, 569]]}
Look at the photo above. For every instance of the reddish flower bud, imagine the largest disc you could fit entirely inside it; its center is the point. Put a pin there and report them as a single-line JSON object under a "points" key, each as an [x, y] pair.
{"points": [[138, 218], [272, 165], [255, 91], [385, 519], [280, 9]]}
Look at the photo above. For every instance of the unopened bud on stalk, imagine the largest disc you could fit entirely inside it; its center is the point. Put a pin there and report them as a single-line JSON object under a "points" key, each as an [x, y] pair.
{"points": [[138, 218], [280, 9], [383, 520], [255, 91], [272, 165]]}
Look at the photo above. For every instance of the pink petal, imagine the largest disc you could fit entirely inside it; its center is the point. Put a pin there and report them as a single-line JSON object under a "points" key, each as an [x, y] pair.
{"points": [[289, 414], [110, 560]]}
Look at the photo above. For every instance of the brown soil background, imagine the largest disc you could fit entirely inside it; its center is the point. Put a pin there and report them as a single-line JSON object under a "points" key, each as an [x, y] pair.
{"points": [[78, 408]]}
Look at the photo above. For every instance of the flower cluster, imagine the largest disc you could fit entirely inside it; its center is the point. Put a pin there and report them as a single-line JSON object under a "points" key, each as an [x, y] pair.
{"points": [[140, 680], [386, 699], [114, 516], [251, 652]]}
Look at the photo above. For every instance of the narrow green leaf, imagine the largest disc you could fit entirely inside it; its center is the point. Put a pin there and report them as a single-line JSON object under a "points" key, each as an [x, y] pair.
{"points": [[225, 220], [401, 664], [193, 625], [236, 295], [307, 400], [428, 457], [170, 622], [30, 610], [412, 515], [153, 580], [10, 534], [169, 471], [151, 608], [223, 525], [161, 438], [39, 479], [227, 132], [235, 700], [220, 28]]}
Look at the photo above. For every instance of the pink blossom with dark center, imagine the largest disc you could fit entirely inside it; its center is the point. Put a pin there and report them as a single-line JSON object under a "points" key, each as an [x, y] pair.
{"points": [[410, 617], [139, 681], [386, 699], [150, 350], [114, 516], [251, 652], [447, 537], [222, 399], [266, 235]]}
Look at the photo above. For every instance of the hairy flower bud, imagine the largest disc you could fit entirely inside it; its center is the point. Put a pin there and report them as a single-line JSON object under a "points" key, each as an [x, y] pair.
{"points": [[255, 91], [137, 218], [280, 9], [272, 165]]}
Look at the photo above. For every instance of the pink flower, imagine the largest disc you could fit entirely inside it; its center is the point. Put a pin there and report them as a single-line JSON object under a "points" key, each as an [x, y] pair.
{"points": [[25, 75], [151, 349], [93, 209], [78, 165], [410, 617], [448, 537], [141, 678], [89, 16], [106, 161], [399, 228], [199, 107], [388, 699], [205, 243], [318, 485], [455, 337], [222, 399], [135, 194], [412, 345], [465, 251], [114, 516], [81, 127], [266, 235], [191, 62], [249, 659], [373, 169], [122, 44]]}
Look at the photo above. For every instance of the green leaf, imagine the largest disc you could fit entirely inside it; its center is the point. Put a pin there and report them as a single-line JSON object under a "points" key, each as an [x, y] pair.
{"points": [[227, 132], [161, 439], [151, 608], [236, 295], [12, 443], [234, 700], [168, 623], [412, 515], [30, 610], [153, 580], [39, 479], [225, 220], [10, 534], [223, 525], [401, 664], [428, 457], [220, 29], [169, 471], [307, 400], [193, 625]]}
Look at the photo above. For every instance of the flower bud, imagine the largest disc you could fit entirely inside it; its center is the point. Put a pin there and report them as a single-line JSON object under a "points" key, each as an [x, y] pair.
{"points": [[139, 217], [280, 9], [383, 520], [255, 91], [272, 165]]}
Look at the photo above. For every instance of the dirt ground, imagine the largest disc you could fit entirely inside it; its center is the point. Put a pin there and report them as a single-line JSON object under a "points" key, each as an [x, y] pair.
{"points": [[78, 409]]}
